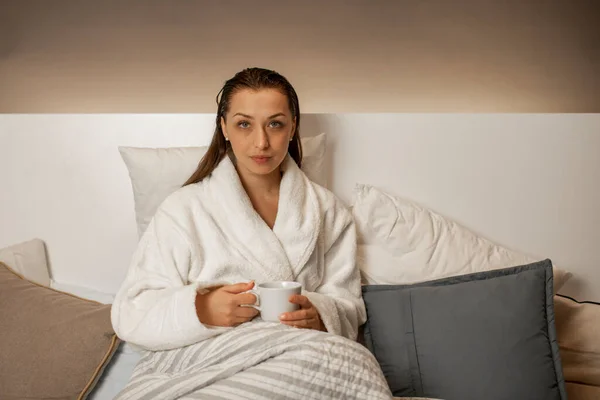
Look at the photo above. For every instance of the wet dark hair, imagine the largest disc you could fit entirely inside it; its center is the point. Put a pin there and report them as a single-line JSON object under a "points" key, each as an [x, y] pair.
{"points": [[255, 79]]}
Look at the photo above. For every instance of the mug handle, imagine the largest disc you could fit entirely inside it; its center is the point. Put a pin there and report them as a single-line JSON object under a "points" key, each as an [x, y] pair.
{"points": [[256, 304]]}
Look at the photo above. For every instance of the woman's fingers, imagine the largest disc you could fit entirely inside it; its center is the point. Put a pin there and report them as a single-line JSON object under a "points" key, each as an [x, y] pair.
{"points": [[246, 312], [299, 315], [238, 287], [311, 323], [244, 299], [241, 320], [302, 301]]}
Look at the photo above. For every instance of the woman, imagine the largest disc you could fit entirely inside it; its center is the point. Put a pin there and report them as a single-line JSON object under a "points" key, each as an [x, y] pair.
{"points": [[248, 214]]}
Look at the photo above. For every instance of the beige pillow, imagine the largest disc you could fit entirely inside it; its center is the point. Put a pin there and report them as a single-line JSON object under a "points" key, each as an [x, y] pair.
{"points": [[54, 345], [578, 332], [28, 259]]}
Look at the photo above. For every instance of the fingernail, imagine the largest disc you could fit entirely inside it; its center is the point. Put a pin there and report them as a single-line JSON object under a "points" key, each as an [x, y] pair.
{"points": [[282, 316]]}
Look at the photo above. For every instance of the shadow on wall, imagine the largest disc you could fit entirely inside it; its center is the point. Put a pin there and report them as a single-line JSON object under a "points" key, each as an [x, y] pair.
{"points": [[314, 124], [343, 57]]}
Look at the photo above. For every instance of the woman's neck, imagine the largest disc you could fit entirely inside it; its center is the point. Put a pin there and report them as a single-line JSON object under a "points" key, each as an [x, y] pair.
{"points": [[260, 185]]}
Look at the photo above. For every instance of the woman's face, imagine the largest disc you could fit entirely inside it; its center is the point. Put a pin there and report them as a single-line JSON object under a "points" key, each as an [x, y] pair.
{"points": [[259, 126]]}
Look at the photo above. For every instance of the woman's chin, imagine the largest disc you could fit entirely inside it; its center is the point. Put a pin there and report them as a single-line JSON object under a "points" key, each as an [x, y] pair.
{"points": [[265, 168]]}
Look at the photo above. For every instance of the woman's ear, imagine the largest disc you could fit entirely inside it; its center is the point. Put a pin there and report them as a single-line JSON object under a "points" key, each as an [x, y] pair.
{"points": [[224, 128], [293, 130]]}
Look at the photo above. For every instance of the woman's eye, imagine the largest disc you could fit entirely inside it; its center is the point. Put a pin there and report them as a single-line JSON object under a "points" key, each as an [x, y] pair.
{"points": [[243, 124], [275, 124]]}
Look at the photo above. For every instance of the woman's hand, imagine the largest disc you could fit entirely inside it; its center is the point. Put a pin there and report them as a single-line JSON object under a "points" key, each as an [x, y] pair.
{"points": [[306, 317], [224, 305]]}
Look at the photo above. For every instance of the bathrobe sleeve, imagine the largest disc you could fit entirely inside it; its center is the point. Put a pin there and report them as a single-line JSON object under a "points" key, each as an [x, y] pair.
{"points": [[339, 297], [155, 306]]}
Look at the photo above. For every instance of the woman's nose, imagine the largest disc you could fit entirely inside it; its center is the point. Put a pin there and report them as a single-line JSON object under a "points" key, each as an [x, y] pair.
{"points": [[261, 140]]}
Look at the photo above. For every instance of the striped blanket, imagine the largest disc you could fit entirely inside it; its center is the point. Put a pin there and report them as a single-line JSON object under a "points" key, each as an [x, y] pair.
{"points": [[260, 360]]}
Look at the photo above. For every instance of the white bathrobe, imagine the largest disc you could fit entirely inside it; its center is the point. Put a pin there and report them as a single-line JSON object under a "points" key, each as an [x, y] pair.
{"points": [[208, 233]]}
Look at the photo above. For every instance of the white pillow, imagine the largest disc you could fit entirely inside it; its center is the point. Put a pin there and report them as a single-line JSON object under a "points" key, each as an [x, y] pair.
{"points": [[157, 172], [403, 243], [28, 259]]}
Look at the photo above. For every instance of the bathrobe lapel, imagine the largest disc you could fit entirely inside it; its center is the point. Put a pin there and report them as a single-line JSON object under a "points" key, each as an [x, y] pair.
{"points": [[279, 253]]}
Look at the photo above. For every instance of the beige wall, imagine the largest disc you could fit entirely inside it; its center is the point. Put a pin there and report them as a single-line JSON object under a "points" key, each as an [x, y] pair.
{"points": [[342, 56]]}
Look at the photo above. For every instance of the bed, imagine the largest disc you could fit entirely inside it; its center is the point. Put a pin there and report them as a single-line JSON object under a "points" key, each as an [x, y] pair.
{"points": [[486, 192]]}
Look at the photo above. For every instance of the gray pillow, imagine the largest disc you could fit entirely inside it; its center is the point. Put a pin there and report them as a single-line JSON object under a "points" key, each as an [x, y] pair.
{"points": [[488, 335]]}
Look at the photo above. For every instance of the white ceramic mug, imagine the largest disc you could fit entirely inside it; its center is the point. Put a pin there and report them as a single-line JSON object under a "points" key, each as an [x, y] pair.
{"points": [[273, 299]]}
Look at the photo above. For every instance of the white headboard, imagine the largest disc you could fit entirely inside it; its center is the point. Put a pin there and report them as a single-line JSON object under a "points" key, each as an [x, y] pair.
{"points": [[529, 182]]}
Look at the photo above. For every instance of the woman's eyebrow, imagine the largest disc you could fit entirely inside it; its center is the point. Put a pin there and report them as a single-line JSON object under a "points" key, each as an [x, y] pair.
{"points": [[244, 115], [250, 117]]}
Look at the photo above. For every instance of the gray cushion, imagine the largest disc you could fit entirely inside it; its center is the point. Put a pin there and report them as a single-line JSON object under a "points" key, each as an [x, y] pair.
{"points": [[488, 335]]}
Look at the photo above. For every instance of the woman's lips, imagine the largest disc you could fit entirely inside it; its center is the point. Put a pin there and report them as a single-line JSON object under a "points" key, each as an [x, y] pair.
{"points": [[261, 159]]}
